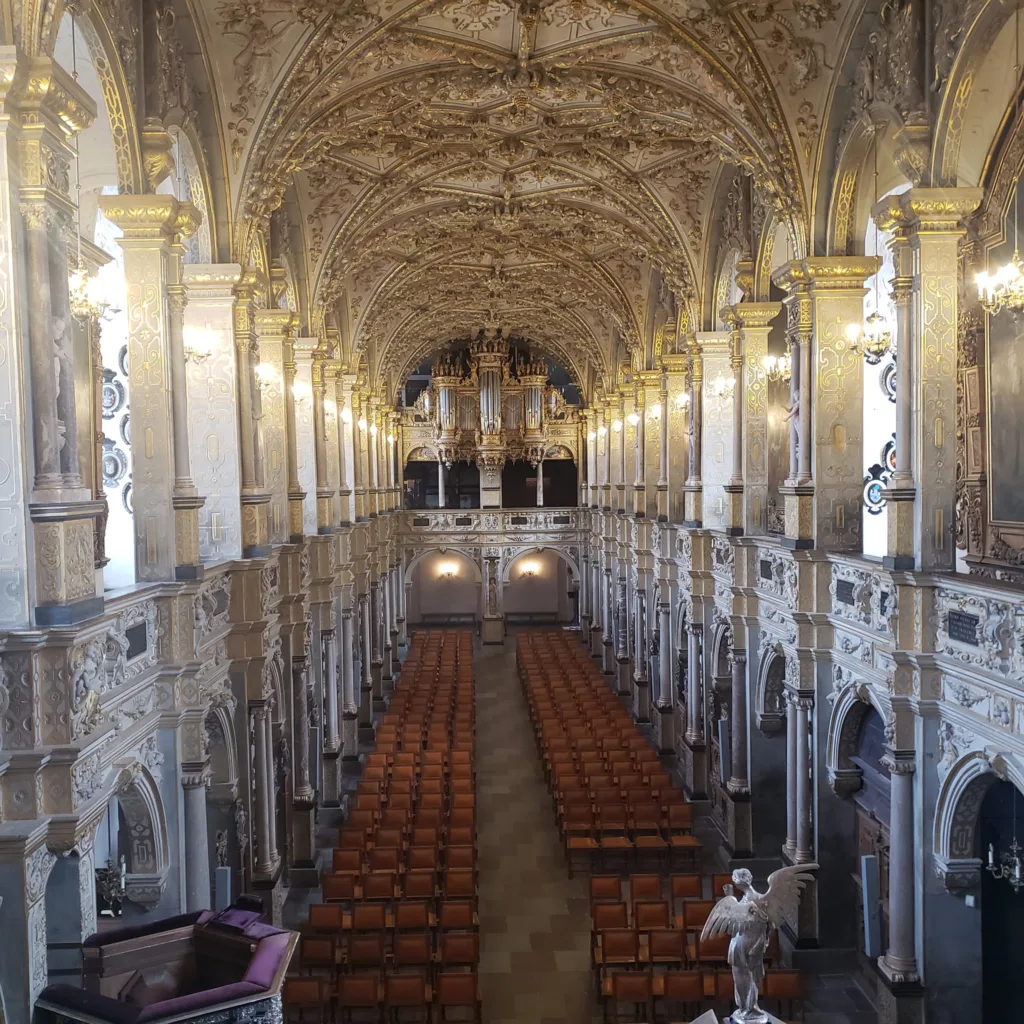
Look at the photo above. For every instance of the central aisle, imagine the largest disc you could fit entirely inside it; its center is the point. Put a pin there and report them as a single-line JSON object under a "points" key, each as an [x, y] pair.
{"points": [[534, 921]]}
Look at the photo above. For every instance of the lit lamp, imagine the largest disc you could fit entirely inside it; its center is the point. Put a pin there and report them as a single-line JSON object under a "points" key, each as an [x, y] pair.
{"points": [[447, 571], [373, 430], [682, 400], [633, 419], [592, 436], [529, 569], [617, 426], [361, 424], [89, 295], [264, 376], [1009, 865], [723, 387], [346, 415], [655, 411], [778, 367], [301, 392], [872, 339], [198, 344], [602, 431]]}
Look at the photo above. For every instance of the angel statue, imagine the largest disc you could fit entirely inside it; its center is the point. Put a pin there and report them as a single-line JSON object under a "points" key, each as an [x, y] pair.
{"points": [[749, 921]]}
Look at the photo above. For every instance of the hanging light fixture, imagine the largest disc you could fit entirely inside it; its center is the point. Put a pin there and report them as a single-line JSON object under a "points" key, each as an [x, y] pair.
{"points": [[88, 294], [778, 367], [873, 338], [1003, 288], [1009, 865]]}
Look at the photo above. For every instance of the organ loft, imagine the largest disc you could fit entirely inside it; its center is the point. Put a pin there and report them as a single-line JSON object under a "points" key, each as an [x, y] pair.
{"points": [[511, 510]]}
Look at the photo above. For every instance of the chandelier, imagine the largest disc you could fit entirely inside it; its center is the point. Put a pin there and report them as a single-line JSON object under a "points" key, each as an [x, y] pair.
{"points": [[778, 367], [873, 338], [1003, 288], [1009, 865]]}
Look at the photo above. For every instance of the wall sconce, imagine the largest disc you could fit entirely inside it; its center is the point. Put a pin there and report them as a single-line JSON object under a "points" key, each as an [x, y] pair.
{"points": [[198, 345], [592, 436], [778, 367], [655, 411], [682, 399], [346, 415], [391, 437], [617, 426], [723, 387], [529, 569], [447, 571], [361, 424], [330, 409], [633, 419], [265, 376], [373, 430], [302, 392], [602, 431]]}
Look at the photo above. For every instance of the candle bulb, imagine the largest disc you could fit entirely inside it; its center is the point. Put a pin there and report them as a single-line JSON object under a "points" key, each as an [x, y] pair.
{"points": [[991, 856]]}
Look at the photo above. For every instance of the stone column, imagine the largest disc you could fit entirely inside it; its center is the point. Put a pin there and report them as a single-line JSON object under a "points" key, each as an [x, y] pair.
{"points": [[540, 483], [349, 709], [373, 494], [442, 498], [596, 606], [271, 787], [739, 783], [387, 666], [792, 804], [366, 730], [899, 964], [296, 495], [255, 500], [166, 506], [927, 225], [604, 440], [345, 434], [332, 741], [804, 782], [694, 717], [662, 496], [376, 654], [324, 491], [666, 691], [639, 479], [262, 802], [397, 619], [358, 455], [693, 489], [274, 328], [194, 780], [641, 685], [623, 675], [303, 790], [607, 637]]}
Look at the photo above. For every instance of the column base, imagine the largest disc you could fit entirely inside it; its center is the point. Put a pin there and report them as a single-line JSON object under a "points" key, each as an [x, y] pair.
{"points": [[665, 720], [734, 497], [608, 658], [693, 506], [799, 516], [332, 778], [68, 614], [492, 629], [596, 641], [255, 525], [899, 563], [695, 769], [624, 677], [901, 975], [739, 825], [641, 702]]}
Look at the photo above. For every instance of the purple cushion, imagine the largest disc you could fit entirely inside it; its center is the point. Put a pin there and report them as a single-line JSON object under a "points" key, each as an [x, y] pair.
{"points": [[260, 930], [199, 1000], [149, 928], [266, 960], [91, 1003], [236, 919]]}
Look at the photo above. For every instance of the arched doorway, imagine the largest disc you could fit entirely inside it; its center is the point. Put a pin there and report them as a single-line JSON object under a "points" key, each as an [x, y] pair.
{"points": [[540, 586], [1000, 822], [767, 742]]}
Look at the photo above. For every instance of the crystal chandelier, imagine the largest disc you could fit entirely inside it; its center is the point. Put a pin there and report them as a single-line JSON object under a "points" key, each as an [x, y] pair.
{"points": [[778, 367], [1009, 865], [873, 338], [1003, 288]]}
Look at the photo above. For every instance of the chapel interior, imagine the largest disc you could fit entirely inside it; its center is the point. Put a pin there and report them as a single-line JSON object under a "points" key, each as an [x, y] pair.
{"points": [[476, 473]]}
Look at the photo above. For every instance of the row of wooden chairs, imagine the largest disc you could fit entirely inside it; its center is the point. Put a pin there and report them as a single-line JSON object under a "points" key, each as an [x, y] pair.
{"points": [[376, 998], [397, 932], [628, 997]]}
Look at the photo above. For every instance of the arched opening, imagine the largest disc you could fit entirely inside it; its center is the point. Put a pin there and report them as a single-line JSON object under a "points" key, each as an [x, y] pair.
{"points": [[768, 757], [1002, 911], [445, 589], [540, 586], [224, 841], [718, 714]]}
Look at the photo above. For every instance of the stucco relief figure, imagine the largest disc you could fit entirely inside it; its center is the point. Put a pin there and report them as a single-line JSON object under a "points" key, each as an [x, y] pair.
{"points": [[749, 921], [492, 589]]}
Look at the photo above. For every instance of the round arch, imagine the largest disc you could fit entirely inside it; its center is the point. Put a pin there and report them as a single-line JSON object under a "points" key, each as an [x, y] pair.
{"points": [[848, 712], [462, 553], [220, 734], [957, 811], [769, 697], [720, 645], [521, 553], [139, 799]]}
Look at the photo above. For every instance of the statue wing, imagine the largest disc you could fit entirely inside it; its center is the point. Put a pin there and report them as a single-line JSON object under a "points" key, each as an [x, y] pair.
{"points": [[784, 888], [727, 917]]}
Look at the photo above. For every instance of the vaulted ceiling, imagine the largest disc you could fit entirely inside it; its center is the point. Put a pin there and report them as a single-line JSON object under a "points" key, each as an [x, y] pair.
{"points": [[556, 166]]}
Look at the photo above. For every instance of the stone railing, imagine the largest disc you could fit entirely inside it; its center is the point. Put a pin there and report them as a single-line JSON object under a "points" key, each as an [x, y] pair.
{"points": [[432, 527]]}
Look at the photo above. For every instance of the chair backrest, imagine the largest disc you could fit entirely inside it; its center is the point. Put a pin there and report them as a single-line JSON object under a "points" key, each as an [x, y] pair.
{"points": [[456, 914], [715, 948], [459, 882], [644, 887], [609, 915], [358, 990], [411, 949], [421, 858], [684, 986], [411, 914], [384, 859], [419, 885], [303, 992], [461, 836], [460, 948], [718, 883], [317, 950], [650, 914], [784, 985], [378, 885], [325, 917], [456, 989], [366, 950], [631, 987], [619, 944], [605, 889], [666, 944], [368, 917], [338, 888], [460, 857], [405, 990], [695, 913], [687, 887], [347, 862]]}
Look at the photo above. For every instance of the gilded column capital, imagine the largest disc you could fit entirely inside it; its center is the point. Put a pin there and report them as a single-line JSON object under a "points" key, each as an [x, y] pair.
{"points": [[149, 218], [927, 210], [275, 323], [39, 85]]}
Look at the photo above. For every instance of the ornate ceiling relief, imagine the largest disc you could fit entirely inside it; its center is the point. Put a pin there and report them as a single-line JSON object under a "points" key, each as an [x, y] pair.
{"points": [[544, 164]]}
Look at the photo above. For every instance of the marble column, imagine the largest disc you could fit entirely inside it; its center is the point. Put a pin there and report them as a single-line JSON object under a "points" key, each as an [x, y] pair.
{"points": [[607, 636], [387, 665], [324, 491], [641, 685], [194, 781], [921, 517], [358, 455], [899, 964], [804, 782], [366, 708], [619, 501], [345, 449], [792, 803], [303, 790], [166, 505], [271, 787], [666, 691], [739, 783], [442, 498], [734, 488], [296, 495], [373, 493], [639, 478], [397, 618], [596, 607], [622, 658], [662, 491], [540, 483], [332, 739], [376, 654], [349, 708], [693, 489], [694, 715], [262, 802], [255, 500]]}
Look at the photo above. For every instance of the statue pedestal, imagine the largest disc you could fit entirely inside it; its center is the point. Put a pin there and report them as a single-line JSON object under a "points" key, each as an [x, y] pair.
{"points": [[710, 1017], [493, 631]]}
